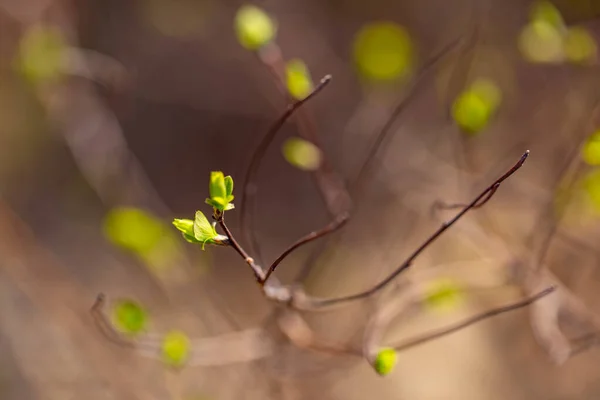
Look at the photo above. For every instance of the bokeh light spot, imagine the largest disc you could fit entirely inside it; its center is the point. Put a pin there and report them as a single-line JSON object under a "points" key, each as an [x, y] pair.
{"points": [[302, 154], [42, 54], [175, 348], [254, 27], [383, 51], [298, 79], [129, 317]]}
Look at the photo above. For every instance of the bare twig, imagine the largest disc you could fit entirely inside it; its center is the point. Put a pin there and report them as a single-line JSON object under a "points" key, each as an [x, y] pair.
{"points": [[406, 264], [472, 320], [249, 188]]}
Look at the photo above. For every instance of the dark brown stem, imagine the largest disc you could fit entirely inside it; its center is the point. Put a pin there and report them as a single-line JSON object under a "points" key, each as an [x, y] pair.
{"points": [[330, 228], [408, 262], [258, 272], [472, 320], [249, 187]]}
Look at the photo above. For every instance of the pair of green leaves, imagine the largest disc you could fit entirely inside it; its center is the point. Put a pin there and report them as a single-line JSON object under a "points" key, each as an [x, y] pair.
{"points": [[200, 230], [221, 191]]}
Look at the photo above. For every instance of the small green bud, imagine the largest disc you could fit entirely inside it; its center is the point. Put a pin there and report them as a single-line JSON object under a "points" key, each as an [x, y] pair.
{"points": [[220, 189], [385, 361], [129, 317], [175, 348], [254, 27], [298, 80]]}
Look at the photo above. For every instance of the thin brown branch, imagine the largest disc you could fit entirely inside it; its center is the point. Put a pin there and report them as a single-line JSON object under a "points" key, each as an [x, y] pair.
{"points": [[259, 274], [382, 135], [249, 187], [472, 320], [330, 228], [408, 262]]}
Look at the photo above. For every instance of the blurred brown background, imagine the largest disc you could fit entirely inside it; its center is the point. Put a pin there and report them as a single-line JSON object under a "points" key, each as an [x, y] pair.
{"points": [[171, 95]]}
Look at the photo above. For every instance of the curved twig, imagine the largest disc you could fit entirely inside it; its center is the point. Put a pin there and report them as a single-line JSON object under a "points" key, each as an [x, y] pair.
{"points": [[407, 263]]}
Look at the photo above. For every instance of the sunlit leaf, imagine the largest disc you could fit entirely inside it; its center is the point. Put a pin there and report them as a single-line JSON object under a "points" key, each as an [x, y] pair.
{"points": [[129, 317], [383, 51], [229, 186], [385, 361], [175, 348], [42, 54], [254, 27], [580, 46], [186, 226], [443, 295], [298, 80], [541, 42], [220, 197], [302, 154]]}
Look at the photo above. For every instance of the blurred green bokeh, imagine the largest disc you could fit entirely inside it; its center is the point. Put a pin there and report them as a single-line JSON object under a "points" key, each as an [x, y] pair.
{"points": [[42, 55], [129, 317], [591, 149], [254, 27], [474, 107], [383, 51], [302, 154], [298, 79], [175, 348], [142, 234]]}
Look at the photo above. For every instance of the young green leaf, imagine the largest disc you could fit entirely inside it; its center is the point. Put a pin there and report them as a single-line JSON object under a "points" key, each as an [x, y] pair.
{"points": [[175, 348], [129, 317], [385, 361], [229, 187], [186, 226], [220, 189], [217, 187], [203, 231]]}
